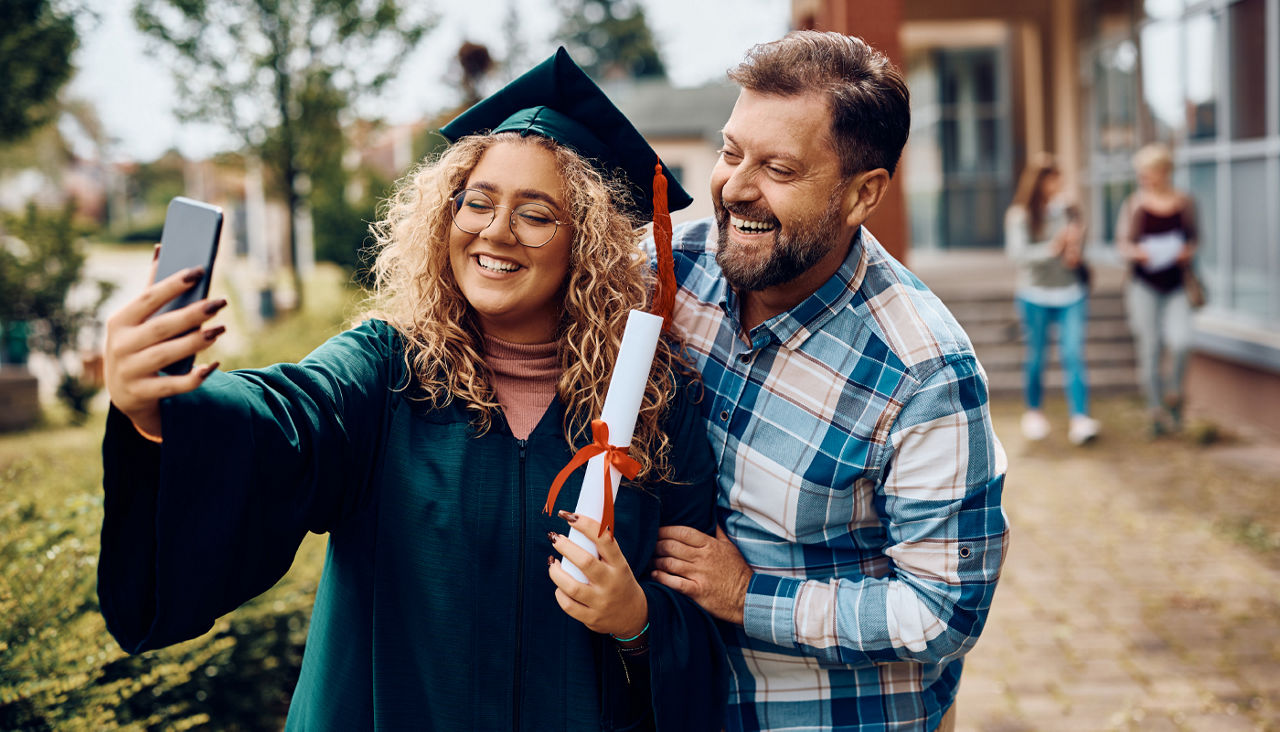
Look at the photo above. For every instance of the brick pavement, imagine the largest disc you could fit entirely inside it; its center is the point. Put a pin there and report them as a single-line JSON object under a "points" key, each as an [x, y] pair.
{"points": [[1113, 614]]}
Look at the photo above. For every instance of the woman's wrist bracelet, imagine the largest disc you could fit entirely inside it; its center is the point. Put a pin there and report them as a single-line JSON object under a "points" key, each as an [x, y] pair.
{"points": [[643, 630]]}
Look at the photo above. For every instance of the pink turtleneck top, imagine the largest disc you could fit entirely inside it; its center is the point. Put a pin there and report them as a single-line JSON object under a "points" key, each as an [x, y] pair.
{"points": [[524, 380]]}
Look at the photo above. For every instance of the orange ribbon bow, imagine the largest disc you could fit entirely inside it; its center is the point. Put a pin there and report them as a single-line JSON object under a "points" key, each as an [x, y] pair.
{"points": [[614, 456]]}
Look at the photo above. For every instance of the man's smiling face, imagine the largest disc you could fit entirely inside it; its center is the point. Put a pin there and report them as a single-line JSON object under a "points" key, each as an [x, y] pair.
{"points": [[777, 189]]}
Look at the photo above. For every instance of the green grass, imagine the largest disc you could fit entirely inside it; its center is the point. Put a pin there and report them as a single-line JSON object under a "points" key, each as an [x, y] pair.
{"points": [[59, 668]]}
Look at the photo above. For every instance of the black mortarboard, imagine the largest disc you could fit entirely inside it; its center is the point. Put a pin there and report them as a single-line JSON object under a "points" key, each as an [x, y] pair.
{"points": [[556, 99]]}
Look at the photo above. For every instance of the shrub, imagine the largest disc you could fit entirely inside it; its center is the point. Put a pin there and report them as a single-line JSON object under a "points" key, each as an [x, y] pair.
{"points": [[41, 261], [59, 668]]}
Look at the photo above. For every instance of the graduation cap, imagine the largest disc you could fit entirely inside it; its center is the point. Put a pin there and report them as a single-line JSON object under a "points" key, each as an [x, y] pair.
{"points": [[556, 99]]}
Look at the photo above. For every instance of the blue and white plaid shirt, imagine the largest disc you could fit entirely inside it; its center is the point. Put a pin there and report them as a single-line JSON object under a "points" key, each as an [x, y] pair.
{"points": [[861, 479]]}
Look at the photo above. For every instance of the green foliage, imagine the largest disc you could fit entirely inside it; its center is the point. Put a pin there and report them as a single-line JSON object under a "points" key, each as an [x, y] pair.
{"points": [[610, 39], [36, 42], [279, 73], [59, 668], [76, 392], [40, 263], [150, 188], [145, 233], [342, 229], [334, 302]]}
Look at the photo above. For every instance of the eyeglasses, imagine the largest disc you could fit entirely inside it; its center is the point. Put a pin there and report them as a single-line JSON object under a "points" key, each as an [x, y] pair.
{"points": [[533, 224]]}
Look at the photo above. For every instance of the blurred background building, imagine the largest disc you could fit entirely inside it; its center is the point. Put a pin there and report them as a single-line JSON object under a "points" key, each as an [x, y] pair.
{"points": [[992, 83], [1093, 80]]}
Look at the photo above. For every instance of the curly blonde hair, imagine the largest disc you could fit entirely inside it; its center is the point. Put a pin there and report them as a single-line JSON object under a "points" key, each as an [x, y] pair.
{"points": [[415, 291]]}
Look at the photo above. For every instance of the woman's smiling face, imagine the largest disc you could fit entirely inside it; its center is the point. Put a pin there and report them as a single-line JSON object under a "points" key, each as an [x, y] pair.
{"points": [[516, 291]]}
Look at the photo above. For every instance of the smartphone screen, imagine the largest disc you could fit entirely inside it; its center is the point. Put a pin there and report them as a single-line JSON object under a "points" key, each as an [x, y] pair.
{"points": [[190, 239]]}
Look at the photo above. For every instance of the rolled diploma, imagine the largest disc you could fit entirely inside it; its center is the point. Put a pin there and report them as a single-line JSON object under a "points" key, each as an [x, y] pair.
{"points": [[621, 407]]}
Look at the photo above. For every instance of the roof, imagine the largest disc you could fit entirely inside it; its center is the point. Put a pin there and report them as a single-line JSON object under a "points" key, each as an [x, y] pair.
{"points": [[661, 111]]}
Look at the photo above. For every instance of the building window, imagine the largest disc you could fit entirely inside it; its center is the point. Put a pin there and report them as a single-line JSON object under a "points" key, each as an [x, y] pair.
{"points": [[1251, 275], [1162, 8], [1202, 184], [1248, 59], [1206, 81], [960, 177], [1201, 76], [1115, 82], [1162, 86]]}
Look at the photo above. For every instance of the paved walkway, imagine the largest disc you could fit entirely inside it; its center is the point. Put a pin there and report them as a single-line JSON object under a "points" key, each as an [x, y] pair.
{"points": [[1121, 608]]}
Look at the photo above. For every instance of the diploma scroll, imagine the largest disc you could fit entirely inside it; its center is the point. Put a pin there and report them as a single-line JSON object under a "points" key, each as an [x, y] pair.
{"points": [[621, 407]]}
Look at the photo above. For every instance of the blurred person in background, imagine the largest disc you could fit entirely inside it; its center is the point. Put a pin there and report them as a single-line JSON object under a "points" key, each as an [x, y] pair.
{"points": [[1044, 238], [424, 442], [1157, 234]]}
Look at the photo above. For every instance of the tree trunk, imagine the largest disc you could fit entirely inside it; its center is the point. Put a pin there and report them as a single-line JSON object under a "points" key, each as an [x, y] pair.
{"points": [[288, 153]]}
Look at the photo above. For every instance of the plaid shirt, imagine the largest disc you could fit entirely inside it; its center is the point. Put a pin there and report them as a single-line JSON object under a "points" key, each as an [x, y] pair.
{"points": [[861, 479]]}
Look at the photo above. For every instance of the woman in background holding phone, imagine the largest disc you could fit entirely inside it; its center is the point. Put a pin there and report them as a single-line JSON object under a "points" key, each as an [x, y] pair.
{"points": [[1158, 234], [424, 441], [1044, 238]]}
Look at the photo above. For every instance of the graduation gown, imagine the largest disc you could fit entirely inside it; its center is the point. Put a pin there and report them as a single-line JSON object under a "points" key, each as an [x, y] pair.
{"points": [[435, 610]]}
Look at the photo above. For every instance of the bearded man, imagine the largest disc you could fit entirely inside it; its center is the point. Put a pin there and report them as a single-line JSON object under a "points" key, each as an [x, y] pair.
{"points": [[860, 479]]}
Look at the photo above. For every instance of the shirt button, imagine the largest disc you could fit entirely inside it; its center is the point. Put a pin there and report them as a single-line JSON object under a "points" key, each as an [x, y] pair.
{"points": [[724, 416], [745, 357]]}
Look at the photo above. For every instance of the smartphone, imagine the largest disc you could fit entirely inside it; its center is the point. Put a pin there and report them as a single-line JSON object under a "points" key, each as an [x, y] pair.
{"points": [[190, 239]]}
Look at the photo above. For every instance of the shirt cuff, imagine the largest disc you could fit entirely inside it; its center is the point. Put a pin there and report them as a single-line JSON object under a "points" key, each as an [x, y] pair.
{"points": [[769, 612]]}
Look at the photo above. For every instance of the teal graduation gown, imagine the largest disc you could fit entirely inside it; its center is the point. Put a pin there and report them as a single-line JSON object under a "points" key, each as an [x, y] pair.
{"points": [[435, 610]]}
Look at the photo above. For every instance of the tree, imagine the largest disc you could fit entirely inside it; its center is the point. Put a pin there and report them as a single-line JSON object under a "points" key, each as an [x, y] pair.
{"points": [[36, 42], [41, 262], [476, 63], [262, 67], [610, 39]]}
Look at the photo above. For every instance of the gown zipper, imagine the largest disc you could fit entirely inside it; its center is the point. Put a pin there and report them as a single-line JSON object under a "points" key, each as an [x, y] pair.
{"points": [[520, 521]]}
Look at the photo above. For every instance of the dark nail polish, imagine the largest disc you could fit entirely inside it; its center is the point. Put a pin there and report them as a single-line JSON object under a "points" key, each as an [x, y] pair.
{"points": [[193, 275], [550, 560], [215, 305], [552, 536], [214, 332], [155, 253], [208, 369], [570, 517]]}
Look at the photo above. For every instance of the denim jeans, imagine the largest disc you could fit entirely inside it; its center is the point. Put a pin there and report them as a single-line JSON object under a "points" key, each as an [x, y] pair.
{"points": [[1160, 322], [1071, 321]]}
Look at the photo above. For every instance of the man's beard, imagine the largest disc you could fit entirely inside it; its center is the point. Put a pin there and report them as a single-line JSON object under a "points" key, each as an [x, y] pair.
{"points": [[802, 246]]}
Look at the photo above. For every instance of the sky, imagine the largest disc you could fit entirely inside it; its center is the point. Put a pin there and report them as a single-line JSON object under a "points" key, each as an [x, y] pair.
{"points": [[134, 92]]}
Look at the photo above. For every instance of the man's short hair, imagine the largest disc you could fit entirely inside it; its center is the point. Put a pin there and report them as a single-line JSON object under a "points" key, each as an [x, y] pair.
{"points": [[869, 102]]}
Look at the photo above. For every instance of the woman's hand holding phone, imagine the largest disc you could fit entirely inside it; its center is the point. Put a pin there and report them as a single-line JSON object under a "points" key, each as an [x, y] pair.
{"points": [[137, 347]]}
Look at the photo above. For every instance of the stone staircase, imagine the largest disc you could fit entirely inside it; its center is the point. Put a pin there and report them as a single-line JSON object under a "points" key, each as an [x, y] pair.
{"points": [[978, 288]]}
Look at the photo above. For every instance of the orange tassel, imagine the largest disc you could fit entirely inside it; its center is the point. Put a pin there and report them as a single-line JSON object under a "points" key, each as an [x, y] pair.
{"points": [[664, 295]]}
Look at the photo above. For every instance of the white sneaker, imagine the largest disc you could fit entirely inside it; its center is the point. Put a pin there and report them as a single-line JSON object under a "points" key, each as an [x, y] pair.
{"points": [[1035, 426], [1082, 429]]}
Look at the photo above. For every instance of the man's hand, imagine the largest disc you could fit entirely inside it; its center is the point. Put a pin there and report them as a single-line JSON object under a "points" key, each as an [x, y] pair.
{"points": [[710, 570]]}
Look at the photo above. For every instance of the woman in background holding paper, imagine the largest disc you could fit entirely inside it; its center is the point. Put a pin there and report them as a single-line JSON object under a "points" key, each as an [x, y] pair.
{"points": [[1157, 234], [424, 442]]}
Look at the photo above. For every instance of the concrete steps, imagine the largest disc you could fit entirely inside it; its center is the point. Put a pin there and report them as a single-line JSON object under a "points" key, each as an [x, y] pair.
{"points": [[978, 289]]}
